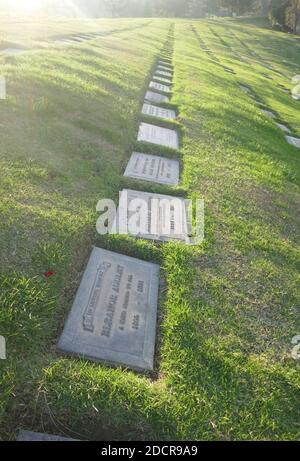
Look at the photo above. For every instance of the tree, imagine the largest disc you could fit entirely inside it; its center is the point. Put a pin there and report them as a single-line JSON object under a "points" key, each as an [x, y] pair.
{"points": [[116, 7], [277, 12], [239, 7], [264, 8], [293, 15]]}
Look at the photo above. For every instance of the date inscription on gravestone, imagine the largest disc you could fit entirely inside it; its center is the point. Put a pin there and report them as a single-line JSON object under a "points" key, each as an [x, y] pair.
{"points": [[113, 318]]}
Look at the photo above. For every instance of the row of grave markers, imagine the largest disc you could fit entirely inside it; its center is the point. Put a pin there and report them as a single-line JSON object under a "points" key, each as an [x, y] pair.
{"points": [[113, 318], [291, 139], [294, 141], [114, 314]]}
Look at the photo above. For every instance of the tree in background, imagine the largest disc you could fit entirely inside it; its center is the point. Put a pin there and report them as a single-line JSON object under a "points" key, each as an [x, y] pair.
{"points": [[239, 7], [277, 13], [116, 7], [293, 15], [264, 7]]}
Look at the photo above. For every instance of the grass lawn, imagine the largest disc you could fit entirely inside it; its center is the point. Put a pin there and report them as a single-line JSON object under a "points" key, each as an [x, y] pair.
{"points": [[229, 308]]}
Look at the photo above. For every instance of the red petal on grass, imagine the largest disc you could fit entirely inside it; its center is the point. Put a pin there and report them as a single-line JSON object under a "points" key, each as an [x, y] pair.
{"points": [[49, 274]]}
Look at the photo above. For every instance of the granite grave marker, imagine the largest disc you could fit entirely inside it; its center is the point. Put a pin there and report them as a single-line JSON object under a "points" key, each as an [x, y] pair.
{"points": [[153, 168], [155, 111], [158, 135], [113, 318]]}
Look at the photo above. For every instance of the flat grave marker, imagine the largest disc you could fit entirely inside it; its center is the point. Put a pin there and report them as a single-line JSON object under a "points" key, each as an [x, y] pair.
{"points": [[164, 73], [162, 79], [113, 318], [283, 128], [153, 168], [155, 111], [160, 87], [28, 436], [167, 69], [165, 63], [161, 218], [158, 135], [293, 141], [151, 96], [269, 114]]}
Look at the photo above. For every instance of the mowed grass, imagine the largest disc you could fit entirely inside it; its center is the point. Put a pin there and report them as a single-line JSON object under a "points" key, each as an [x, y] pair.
{"points": [[228, 309]]}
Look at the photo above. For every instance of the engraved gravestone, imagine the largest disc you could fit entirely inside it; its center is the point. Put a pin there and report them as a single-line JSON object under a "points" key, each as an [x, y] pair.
{"points": [[293, 141], [164, 63], [269, 114], [28, 436], [162, 79], [154, 216], [165, 68], [153, 168], [283, 128], [157, 135], [113, 318], [151, 96], [160, 87], [164, 73], [155, 111]]}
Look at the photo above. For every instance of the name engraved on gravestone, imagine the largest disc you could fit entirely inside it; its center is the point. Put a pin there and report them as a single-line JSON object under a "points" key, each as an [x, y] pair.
{"points": [[157, 135], [151, 96], [160, 87], [154, 216], [113, 318], [153, 168], [293, 141], [28, 436], [155, 111], [162, 72]]}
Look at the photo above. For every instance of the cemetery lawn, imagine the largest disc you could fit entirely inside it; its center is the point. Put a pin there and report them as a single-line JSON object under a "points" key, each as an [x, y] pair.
{"points": [[228, 309]]}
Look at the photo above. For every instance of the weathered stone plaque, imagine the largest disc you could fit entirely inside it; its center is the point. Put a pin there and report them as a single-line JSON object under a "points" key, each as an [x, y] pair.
{"points": [[153, 168], [165, 63], [113, 318], [162, 79], [283, 128], [293, 141], [154, 216], [163, 73], [160, 87], [28, 436], [165, 68], [158, 135], [269, 114], [155, 111], [151, 96], [246, 89]]}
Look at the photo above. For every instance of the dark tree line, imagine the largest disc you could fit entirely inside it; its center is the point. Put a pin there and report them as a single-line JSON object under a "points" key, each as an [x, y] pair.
{"points": [[285, 14]]}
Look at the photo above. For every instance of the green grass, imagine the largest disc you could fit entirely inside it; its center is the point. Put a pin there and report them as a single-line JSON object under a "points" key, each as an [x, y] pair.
{"points": [[228, 309]]}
